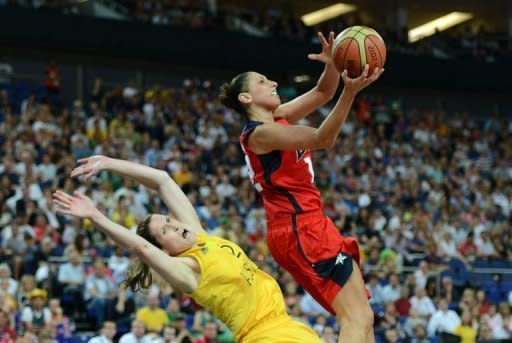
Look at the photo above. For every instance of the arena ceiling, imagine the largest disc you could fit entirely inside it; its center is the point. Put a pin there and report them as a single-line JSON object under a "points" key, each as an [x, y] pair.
{"points": [[492, 14]]}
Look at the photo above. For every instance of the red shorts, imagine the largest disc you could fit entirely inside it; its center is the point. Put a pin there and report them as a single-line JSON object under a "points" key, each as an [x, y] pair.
{"points": [[312, 250]]}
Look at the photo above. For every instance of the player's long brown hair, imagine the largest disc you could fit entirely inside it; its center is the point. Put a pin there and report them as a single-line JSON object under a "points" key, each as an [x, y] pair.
{"points": [[229, 93], [139, 275]]}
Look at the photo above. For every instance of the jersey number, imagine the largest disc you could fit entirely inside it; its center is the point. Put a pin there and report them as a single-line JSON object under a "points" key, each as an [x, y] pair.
{"points": [[251, 174]]}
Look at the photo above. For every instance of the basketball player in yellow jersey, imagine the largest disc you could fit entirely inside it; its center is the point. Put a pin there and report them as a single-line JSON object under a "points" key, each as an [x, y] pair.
{"points": [[214, 271]]}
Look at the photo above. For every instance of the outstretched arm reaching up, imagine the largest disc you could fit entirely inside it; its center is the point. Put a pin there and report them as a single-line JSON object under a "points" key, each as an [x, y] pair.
{"points": [[158, 180], [178, 271], [274, 136]]}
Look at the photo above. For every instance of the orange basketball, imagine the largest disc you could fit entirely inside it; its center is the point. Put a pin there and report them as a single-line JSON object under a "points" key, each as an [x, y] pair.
{"points": [[357, 46]]}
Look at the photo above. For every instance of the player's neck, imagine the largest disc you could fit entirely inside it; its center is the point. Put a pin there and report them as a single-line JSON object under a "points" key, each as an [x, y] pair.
{"points": [[261, 114]]}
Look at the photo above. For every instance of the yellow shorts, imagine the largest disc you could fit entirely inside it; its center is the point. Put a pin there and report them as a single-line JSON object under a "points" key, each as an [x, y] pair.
{"points": [[286, 331]]}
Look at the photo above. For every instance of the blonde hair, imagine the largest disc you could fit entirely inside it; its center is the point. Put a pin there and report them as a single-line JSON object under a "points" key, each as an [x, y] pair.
{"points": [[139, 276]]}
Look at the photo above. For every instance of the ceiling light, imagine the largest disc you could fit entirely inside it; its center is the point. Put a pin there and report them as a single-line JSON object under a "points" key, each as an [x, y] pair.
{"points": [[441, 24], [327, 13]]}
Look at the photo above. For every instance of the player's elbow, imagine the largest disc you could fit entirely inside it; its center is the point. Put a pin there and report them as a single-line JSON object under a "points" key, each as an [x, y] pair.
{"points": [[321, 142], [329, 143], [163, 177]]}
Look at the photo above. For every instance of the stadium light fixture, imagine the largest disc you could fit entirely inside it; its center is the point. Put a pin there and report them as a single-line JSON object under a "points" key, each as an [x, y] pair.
{"points": [[441, 24], [327, 13]]}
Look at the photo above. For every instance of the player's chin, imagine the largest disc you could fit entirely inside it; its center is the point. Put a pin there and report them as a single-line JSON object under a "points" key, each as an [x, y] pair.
{"points": [[275, 105]]}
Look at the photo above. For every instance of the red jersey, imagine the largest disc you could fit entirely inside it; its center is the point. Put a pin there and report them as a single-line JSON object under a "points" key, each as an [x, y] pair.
{"points": [[285, 179]]}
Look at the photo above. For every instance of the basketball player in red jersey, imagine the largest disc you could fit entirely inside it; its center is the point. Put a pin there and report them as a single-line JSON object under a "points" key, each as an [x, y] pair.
{"points": [[300, 237]]}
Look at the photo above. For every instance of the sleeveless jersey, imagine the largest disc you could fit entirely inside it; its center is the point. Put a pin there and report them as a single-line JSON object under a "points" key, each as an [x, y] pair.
{"points": [[233, 288], [285, 179]]}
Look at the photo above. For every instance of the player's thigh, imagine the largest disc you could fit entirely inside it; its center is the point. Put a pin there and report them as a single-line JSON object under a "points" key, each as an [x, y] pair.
{"points": [[351, 303]]}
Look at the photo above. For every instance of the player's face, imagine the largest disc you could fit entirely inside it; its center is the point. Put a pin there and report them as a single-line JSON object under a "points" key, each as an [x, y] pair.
{"points": [[172, 235], [263, 92]]}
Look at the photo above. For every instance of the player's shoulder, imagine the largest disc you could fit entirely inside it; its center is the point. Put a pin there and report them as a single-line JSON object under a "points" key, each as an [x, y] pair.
{"points": [[250, 126]]}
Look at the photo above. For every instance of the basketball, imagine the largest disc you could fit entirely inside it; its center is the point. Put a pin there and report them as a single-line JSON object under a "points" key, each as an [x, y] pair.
{"points": [[357, 46]]}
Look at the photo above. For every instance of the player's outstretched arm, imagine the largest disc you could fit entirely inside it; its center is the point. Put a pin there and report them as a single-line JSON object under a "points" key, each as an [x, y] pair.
{"points": [[274, 136], [323, 91], [173, 269], [158, 180]]}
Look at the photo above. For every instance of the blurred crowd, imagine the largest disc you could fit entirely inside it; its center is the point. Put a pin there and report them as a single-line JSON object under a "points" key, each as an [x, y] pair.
{"points": [[464, 41], [422, 191]]}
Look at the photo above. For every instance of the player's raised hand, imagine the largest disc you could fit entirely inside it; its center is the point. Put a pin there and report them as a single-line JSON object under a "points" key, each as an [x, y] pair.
{"points": [[78, 204], [90, 166], [355, 85], [326, 55]]}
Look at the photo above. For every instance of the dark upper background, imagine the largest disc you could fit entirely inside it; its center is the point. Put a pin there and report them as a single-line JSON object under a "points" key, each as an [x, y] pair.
{"points": [[86, 45]]}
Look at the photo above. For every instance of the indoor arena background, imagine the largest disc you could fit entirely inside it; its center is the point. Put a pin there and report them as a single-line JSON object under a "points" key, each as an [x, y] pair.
{"points": [[421, 174]]}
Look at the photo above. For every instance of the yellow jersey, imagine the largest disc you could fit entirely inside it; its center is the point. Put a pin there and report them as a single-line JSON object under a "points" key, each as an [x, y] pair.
{"points": [[234, 289]]}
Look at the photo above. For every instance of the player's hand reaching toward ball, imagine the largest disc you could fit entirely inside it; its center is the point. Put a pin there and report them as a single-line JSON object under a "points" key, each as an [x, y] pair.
{"points": [[326, 55], [355, 85]]}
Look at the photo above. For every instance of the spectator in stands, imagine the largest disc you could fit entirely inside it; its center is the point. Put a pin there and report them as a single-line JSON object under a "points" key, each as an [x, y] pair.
{"points": [[36, 317], [5, 276], [153, 317], [403, 304], [52, 81], [422, 303], [447, 247], [504, 311], [108, 332], [467, 329], [60, 326], [375, 289], [391, 292], [485, 247], [391, 336], [119, 264], [136, 335], [99, 293], [443, 321], [448, 291], [468, 301], [421, 274], [7, 333], [390, 317], [485, 334], [329, 335], [468, 248], [124, 307], [420, 335], [181, 330], [173, 311], [12, 248], [26, 286], [208, 333], [414, 320], [481, 302], [71, 277]]}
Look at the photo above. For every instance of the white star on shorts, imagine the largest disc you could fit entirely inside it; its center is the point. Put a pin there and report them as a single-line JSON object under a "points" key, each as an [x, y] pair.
{"points": [[340, 259]]}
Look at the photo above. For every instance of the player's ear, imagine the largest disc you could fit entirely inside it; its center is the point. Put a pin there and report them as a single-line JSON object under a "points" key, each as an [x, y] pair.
{"points": [[244, 98]]}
